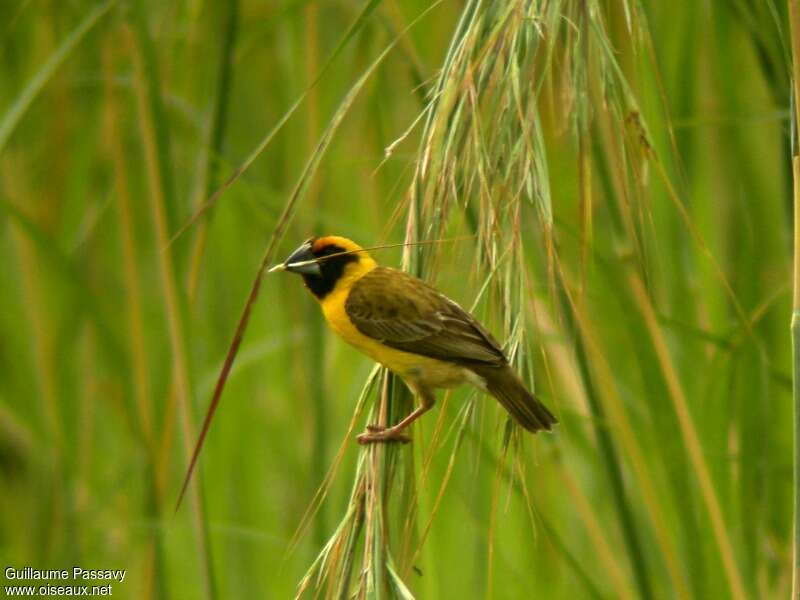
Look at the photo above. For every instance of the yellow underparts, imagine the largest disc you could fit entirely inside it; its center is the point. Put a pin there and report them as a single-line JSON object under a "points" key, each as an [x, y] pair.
{"points": [[422, 374]]}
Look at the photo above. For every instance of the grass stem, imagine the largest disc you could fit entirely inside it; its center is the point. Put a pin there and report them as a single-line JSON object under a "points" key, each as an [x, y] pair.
{"points": [[160, 192], [794, 26]]}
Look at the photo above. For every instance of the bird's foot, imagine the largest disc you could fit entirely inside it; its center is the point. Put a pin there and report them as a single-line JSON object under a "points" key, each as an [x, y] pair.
{"points": [[378, 434]]}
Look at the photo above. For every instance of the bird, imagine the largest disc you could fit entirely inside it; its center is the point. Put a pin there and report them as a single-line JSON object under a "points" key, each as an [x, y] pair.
{"points": [[410, 328]]}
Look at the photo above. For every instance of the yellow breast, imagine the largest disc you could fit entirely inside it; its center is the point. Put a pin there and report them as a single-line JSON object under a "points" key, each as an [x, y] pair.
{"points": [[417, 370]]}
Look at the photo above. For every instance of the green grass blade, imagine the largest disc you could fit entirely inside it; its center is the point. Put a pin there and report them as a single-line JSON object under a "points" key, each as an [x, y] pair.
{"points": [[33, 88]]}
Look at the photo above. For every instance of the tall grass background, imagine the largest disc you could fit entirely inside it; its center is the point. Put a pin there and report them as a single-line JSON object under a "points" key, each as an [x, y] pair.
{"points": [[612, 185]]}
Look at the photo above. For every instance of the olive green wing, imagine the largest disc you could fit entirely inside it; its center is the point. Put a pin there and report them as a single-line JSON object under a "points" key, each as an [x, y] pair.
{"points": [[404, 313]]}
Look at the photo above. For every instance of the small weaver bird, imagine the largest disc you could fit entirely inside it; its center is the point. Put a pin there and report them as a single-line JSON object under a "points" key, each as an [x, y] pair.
{"points": [[416, 332]]}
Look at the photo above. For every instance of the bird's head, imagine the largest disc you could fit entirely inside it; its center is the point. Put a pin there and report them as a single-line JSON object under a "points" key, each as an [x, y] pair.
{"points": [[326, 261]]}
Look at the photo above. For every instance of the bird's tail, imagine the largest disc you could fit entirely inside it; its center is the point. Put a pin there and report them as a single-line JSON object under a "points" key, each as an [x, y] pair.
{"points": [[503, 383]]}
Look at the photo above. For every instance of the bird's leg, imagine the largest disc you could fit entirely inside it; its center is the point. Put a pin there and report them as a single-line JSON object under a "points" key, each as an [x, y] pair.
{"points": [[377, 433]]}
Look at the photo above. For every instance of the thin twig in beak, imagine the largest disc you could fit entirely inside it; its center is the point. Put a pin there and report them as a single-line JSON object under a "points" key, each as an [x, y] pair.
{"points": [[278, 267], [303, 263]]}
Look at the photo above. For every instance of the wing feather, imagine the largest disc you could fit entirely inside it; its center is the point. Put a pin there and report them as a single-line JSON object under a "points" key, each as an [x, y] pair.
{"points": [[407, 314]]}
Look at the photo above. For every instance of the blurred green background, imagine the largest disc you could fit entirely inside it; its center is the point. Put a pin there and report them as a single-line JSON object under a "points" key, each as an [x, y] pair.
{"points": [[621, 193]]}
